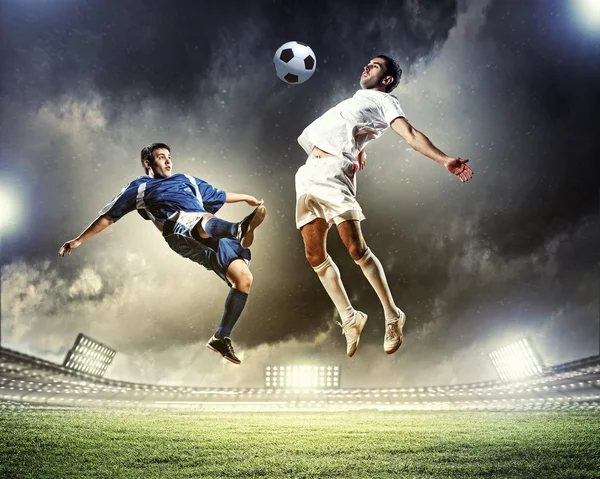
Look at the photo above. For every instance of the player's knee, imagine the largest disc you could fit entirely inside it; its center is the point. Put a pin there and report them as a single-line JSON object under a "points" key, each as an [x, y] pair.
{"points": [[315, 257], [357, 250], [244, 282]]}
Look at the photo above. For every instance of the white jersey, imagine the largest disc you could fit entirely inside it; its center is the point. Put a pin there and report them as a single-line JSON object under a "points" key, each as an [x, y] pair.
{"points": [[345, 129]]}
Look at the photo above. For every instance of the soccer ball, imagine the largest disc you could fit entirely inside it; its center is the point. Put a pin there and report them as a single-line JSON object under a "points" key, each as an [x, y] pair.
{"points": [[294, 62]]}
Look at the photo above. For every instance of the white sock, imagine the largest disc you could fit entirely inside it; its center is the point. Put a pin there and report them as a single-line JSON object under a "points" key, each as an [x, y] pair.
{"points": [[372, 269], [329, 274]]}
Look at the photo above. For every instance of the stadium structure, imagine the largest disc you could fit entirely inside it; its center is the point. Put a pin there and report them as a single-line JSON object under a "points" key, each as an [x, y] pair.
{"points": [[27, 381]]}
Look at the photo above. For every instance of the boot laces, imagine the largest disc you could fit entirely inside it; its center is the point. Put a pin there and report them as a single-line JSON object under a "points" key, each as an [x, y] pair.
{"points": [[390, 329]]}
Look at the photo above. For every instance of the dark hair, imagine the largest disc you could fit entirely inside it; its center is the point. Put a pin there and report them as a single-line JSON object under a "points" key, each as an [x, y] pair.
{"points": [[147, 151], [391, 69]]}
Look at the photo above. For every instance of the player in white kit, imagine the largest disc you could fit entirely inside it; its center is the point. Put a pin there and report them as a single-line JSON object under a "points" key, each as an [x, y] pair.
{"points": [[326, 190]]}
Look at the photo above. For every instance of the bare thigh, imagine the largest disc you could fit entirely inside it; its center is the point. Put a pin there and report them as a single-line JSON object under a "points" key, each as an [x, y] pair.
{"points": [[239, 275]]}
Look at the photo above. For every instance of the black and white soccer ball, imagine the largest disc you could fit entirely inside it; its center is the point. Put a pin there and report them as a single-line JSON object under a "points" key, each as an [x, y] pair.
{"points": [[295, 62]]}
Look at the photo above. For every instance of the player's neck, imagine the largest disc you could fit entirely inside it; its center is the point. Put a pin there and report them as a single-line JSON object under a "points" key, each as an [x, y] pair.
{"points": [[376, 88], [155, 176]]}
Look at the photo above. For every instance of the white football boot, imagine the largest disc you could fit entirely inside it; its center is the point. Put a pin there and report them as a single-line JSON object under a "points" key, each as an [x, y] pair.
{"points": [[352, 329], [393, 333]]}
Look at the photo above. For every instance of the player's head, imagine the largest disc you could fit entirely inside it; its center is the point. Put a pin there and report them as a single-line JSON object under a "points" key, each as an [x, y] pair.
{"points": [[382, 73], [156, 160]]}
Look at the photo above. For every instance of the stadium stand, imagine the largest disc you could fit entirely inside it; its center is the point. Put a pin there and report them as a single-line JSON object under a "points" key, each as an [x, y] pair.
{"points": [[27, 381]]}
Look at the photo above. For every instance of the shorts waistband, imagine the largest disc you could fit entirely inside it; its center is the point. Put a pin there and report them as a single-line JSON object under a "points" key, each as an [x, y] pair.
{"points": [[170, 225], [318, 153]]}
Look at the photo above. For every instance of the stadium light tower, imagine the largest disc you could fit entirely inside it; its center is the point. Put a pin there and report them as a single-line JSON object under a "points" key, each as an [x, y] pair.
{"points": [[89, 356], [589, 13], [302, 377], [517, 360]]}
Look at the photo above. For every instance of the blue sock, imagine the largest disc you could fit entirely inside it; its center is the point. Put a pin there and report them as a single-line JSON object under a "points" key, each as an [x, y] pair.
{"points": [[217, 228], [234, 305]]}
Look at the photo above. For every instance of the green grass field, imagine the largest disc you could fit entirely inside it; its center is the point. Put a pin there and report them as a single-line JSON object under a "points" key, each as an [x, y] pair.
{"points": [[79, 443]]}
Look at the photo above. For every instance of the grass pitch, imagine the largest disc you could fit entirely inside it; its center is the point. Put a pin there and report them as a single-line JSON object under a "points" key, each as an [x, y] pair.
{"points": [[80, 443]]}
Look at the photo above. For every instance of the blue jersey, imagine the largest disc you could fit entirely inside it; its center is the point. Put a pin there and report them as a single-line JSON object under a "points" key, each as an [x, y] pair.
{"points": [[158, 198]]}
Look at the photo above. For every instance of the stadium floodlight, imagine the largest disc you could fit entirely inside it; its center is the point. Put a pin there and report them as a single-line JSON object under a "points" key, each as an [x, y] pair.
{"points": [[9, 218], [589, 13], [89, 356], [517, 360], [10, 207], [302, 377]]}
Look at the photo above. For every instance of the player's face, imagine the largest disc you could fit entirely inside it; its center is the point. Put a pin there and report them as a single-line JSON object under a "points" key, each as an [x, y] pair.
{"points": [[372, 75], [161, 163]]}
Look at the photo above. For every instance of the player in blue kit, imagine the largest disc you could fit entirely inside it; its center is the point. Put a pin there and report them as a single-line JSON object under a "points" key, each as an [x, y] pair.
{"points": [[182, 207]]}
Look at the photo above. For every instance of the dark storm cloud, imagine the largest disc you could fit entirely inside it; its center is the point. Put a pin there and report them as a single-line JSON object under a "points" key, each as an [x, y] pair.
{"points": [[474, 265], [543, 88], [152, 49]]}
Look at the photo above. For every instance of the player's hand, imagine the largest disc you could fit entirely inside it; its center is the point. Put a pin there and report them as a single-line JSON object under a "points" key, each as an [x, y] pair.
{"points": [[362, 160], [458, 167], [252, 201], [68, 247]]}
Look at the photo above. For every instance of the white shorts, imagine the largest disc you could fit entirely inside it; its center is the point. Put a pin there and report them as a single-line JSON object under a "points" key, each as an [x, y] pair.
{"points": [[326, 188]]}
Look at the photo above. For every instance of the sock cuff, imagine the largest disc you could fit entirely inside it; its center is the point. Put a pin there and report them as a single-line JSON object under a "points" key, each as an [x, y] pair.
{"points": [[238, 293], [324, 265], [365, 257], [205, 219]]}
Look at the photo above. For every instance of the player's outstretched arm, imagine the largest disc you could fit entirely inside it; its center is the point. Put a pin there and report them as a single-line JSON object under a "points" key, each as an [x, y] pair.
{"points": [[237, 197], [419, 142], [98, 225]]}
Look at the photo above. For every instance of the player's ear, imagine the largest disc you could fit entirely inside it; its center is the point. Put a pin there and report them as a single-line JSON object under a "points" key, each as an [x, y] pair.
{"points": [[387, 80], [147, 166]]}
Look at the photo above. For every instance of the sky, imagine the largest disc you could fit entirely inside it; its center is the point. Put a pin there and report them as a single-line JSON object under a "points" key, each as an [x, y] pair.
{"points": [[512, 86]]}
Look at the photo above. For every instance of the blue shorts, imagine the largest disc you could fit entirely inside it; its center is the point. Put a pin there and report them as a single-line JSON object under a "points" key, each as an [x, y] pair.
{"points": [[214, 255]]}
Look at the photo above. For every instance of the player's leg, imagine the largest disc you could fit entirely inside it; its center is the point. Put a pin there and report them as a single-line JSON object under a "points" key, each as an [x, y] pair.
{"points": [[314, 235], [212, 227], [228, 260], [352, 237], [239, 276]]}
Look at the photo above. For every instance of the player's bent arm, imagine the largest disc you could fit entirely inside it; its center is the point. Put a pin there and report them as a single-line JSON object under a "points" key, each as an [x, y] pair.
{"points": [[98, 225], [237, 197], [418, 141]]}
